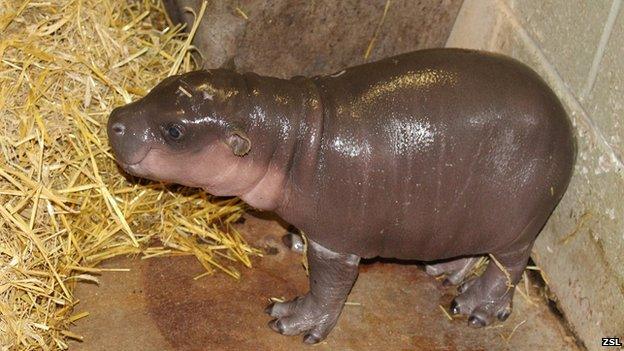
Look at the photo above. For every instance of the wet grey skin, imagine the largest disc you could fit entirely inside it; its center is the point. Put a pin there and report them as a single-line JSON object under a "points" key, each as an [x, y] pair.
{"points": [[438, 155]]}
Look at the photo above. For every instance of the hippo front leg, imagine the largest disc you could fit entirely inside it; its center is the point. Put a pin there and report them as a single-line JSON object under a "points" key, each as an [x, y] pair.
{"points": [[331, 277]]}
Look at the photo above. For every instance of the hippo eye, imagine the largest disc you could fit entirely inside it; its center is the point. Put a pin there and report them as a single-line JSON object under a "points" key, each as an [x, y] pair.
{"points": [[175, 132]]}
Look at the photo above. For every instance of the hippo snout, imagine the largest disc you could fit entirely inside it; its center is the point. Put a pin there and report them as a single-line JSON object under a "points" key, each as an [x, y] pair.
{"points": [[124, 135], [117, 129]]}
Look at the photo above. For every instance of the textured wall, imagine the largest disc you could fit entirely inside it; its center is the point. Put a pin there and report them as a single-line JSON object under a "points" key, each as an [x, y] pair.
{"points": [[578, 47], [309, 37]]}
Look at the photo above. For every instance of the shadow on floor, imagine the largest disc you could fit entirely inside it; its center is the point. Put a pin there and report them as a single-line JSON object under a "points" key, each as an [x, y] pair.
{"points": [[159, 306]]}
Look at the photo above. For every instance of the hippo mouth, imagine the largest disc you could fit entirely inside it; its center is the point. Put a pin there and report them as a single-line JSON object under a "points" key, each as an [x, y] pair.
{"points": [[134, 167]]}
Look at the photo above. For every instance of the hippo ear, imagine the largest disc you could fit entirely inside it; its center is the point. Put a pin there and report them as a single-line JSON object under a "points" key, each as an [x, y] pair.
{"points": [[238, 142]]}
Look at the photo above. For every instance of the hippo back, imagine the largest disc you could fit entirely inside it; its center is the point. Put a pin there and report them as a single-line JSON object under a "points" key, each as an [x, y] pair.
{"points": [[432, 154]]}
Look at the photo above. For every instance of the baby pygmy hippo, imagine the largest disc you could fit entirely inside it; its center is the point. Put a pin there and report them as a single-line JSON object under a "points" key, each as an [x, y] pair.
{"points": [[435, 155]]}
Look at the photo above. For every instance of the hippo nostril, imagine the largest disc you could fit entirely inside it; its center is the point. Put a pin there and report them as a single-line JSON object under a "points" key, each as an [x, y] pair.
{"points": [[118, 128]]}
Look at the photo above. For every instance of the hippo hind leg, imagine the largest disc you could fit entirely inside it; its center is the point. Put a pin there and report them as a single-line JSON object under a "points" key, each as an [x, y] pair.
{"points": [[456, 270], [490, 296], [331, 276]]}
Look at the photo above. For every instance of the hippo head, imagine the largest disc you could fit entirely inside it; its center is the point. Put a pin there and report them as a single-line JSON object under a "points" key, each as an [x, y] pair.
{"points": [[184, 131]]}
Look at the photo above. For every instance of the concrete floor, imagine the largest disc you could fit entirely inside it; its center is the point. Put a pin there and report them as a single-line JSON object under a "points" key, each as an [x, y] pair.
{"points": [[158, 306]]}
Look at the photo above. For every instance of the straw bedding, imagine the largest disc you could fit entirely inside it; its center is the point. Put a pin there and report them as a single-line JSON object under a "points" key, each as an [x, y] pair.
{"points": [[64, 207]]}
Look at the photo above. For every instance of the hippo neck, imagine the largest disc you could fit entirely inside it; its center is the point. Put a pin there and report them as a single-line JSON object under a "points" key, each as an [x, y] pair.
{"points": [[283, 120]]}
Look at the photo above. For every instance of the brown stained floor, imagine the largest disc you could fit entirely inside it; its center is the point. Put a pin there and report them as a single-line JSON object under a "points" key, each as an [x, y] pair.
{"points": [[158, 306]]}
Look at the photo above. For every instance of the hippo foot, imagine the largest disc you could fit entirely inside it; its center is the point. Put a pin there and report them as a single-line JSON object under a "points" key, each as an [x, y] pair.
{"points": [[294, 242], [483, 301], [303, 315], [456, 270]]}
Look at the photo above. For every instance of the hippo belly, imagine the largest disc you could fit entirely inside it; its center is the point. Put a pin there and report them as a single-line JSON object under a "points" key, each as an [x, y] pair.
{"points": [[425, 158]]}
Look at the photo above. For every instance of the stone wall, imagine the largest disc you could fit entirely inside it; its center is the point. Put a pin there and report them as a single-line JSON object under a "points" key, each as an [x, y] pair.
{"points": [[283, 38], [578, 47]]}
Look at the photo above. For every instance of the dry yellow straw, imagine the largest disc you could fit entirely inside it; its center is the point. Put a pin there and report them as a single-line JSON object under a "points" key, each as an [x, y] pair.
{"points": [[64, 205], [242, 13], [184, 50], [371, 44]]}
